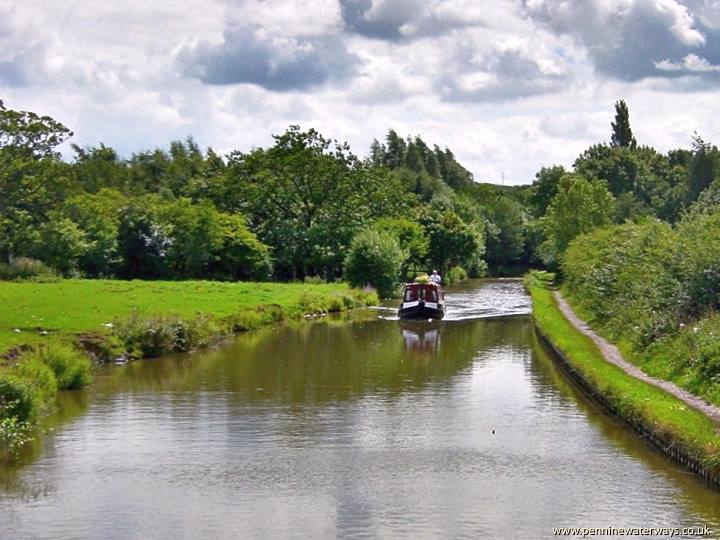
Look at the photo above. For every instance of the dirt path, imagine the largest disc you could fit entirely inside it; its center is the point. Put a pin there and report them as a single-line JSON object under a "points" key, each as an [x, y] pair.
{"points": [[612, 355]]}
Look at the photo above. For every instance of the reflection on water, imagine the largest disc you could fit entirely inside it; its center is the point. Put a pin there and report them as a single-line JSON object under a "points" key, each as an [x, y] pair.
{"points": [[421, 336], [367, 428]]}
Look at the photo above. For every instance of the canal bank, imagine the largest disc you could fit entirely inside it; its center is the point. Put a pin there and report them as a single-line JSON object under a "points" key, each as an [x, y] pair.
{"points": [[670, 422]]}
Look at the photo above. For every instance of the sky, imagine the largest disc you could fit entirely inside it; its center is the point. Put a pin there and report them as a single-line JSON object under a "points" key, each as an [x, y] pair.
{"points": [[509, 86]]}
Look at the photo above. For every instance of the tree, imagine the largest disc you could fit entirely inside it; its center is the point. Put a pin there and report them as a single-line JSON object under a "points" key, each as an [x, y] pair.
{"points": [[306, 198], [143, 242], [32, 177], [240, 254], [505, 238], [395, 150], [375, 259], [621, 133], [704, 168], [580, 206], [410, 236], [544, 188], [61, 244], [98, 215], [452, 241]]}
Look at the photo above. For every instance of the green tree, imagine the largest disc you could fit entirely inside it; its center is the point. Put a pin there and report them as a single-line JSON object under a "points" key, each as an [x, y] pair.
{"points": [[98, 215], [544, 188], [32, 177], [306, 197], [143, 242], [452, 241], [579, 207], [621, 133], [505, 239], [375, 258], [411, 237], [61, 244], [704, 168], [240, 255]]}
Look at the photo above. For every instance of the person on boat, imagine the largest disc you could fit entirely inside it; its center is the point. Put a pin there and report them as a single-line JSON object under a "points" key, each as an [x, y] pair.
{"points": [[435, 277]]}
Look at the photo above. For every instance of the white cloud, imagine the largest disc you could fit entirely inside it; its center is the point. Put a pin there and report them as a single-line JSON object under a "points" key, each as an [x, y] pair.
{"points": [[691, 63]]}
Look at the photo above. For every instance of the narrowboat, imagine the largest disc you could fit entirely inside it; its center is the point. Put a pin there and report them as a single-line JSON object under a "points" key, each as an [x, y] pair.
{"points": [[422, 301]]}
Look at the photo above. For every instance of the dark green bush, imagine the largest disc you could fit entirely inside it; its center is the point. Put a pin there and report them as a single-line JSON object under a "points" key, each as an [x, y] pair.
{"points": [[72, 369], [40, 376], [456, 274], [375, 258], [17, 399]]}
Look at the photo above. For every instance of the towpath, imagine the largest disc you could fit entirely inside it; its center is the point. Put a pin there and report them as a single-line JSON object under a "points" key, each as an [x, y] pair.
{"points": [[612, 355]]}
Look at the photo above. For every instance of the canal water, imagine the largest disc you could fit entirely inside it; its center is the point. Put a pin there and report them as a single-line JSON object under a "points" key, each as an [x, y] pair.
{"points": [[360, 427]]}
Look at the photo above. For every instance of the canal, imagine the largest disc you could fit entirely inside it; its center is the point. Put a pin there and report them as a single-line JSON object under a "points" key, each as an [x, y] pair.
{"points": [[348, 427]]}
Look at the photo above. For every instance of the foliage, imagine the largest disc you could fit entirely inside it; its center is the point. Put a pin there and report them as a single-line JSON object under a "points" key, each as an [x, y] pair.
{"points": [[621, 133], [40, 377], [544, 188], [151, 336], [307, 197], [25, 268], [61, 243], [71, 367], [411, 238], [564, 221], [455, 275], [704, 168], [658, 289], [660, 413], [17, 398], [375, 258]]}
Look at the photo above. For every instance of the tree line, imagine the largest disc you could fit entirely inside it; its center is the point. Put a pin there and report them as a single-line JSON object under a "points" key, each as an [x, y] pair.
{"points": [[308, 207]]}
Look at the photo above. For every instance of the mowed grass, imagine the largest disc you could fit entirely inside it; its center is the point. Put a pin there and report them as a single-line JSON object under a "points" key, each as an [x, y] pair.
{"points": [[30, 310], [657, 411]]}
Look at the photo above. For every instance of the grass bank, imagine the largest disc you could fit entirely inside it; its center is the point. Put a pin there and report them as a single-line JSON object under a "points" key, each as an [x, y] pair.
{"points": [[678, 430], [34, 312], [51, 332]]}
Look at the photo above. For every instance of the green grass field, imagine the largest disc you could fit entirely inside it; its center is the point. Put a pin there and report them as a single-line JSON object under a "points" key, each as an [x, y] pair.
{"points": [[28, 309], [637, 401]]}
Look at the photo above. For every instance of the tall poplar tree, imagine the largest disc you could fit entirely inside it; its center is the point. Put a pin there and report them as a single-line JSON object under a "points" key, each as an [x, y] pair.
{"points": [[621, 133]]}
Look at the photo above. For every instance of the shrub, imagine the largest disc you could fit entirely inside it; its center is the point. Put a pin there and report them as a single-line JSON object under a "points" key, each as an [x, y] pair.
{"points": [[34, 371], [17, 399], [455, 274], [375, 258], [72, 369], [13, 434], [151, 336], [26, 268], [246, 320]]}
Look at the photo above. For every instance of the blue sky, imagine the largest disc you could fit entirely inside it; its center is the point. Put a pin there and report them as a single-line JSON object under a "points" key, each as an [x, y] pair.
{"points": [[509, 86]]}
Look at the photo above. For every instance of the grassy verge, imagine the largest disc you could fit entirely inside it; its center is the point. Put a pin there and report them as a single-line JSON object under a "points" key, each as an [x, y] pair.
{"points": [[50, 332], [680, 431], [33, 312]]}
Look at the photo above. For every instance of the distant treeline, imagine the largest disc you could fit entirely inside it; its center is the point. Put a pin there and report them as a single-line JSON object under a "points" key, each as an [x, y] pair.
{"points": [[300, 207]]}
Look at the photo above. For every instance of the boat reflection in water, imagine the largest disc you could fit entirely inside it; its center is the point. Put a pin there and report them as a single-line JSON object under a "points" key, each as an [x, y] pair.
{"points": [[421, 336]]}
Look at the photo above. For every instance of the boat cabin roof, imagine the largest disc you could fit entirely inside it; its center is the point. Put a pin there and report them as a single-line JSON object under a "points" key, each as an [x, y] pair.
{"points": [[417, 286]]}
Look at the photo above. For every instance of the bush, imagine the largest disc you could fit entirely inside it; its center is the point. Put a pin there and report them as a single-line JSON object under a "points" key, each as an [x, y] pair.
{"points": [[151, 336], [375, 258], [32, 370], [456, 274], [17, 399], [72, 369], [26, 268]]}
